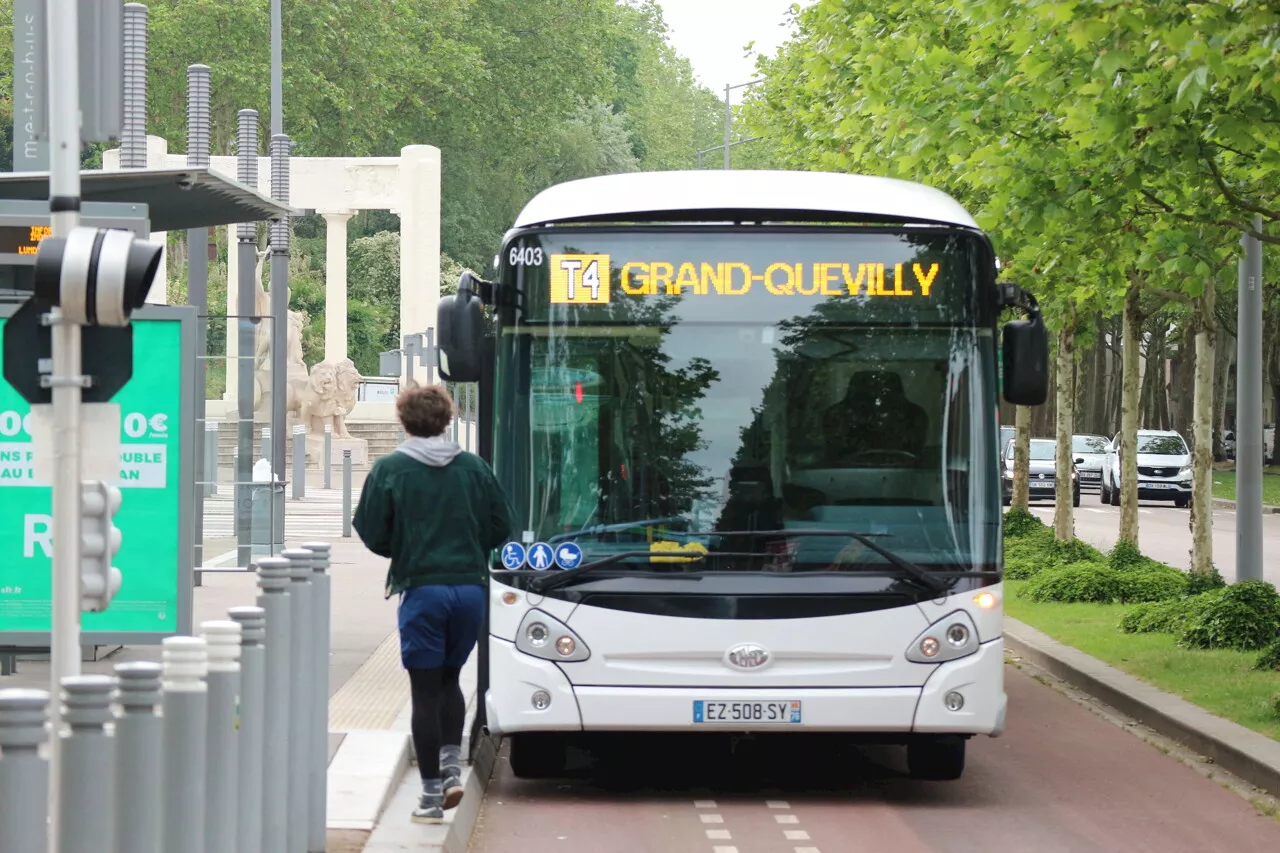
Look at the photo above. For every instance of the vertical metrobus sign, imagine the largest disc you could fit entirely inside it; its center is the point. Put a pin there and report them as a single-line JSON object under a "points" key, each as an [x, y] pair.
{"points": [[155, 518]]}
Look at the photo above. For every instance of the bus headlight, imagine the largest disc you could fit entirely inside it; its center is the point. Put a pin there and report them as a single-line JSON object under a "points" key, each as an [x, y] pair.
{"points": [[544, 636], [950, 638]]}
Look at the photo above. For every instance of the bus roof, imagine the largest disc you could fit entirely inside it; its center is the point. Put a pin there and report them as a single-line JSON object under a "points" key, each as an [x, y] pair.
{"points": [[728, 194]]}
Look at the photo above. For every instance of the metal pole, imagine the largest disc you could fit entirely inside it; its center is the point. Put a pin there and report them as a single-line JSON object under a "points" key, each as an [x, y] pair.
{"points": [[223, 639], [276, 603], [139, 765], [198, 296], [186, 712], [728, 121], [328, 456], [247, 245], [88, 761], [279, 230], [1249, 411], [253, 664], [319, 751], [64, 207], [268, 445], [346, 494], [300, 695], [24, 774], [300, 461], [211, 442], [277, 73]]}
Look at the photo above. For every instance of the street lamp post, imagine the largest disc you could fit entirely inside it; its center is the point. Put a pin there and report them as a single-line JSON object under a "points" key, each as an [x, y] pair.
{"points": [[728, 122]]}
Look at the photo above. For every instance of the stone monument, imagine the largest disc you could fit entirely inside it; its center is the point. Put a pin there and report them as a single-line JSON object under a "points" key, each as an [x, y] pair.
{"points": [[324, 400]]}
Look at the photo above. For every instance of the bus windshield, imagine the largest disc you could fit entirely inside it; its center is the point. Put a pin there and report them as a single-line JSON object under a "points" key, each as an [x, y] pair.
{"points": [[703, 391]]}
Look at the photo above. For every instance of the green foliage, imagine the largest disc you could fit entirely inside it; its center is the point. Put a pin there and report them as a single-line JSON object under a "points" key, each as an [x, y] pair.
{"points": [[1092, 581], [516, 95], [1198, 582], [1155, 582], [1018, 524], [1269, 658], [1244, 616], [1125, 555]]}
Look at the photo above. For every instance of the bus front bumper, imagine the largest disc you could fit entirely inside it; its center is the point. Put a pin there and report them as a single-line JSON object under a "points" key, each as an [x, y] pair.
{"points": [[529, 694]]}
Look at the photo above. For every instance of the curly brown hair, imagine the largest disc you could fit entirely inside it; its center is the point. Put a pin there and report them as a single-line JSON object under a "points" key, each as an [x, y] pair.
{"points": [[425, 411]]}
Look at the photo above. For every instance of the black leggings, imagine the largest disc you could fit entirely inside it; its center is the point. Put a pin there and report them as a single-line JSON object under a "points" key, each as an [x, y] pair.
{"points": [[438, 715]]}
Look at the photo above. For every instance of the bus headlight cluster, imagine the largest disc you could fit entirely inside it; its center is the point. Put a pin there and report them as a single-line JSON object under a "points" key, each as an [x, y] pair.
{"points": [[544, 636], [951, 637]]}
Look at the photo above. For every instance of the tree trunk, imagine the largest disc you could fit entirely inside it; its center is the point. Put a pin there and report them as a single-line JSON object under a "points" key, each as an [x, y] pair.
{"points": [[1097, 383], [1223, 359], [1202, 437], [1021, 457], [1063, 523], [1130, 356]]}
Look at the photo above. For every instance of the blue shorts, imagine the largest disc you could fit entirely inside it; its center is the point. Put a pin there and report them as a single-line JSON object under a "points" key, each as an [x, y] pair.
{"points": [[439, 625]]}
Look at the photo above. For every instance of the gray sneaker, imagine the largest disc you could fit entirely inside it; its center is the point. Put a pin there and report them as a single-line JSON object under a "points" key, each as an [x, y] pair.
{"points": [[428, 810], [452, 786]]}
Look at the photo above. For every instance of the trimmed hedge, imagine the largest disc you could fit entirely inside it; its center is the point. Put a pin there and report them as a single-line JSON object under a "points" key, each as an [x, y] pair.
{"points": [[1092, 581], [1270, 657], [1245, 617], [1166, 617]]}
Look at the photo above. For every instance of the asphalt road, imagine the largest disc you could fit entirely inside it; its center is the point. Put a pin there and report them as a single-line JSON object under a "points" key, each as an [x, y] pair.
{"points": [[1164, 533], [1061, 780]]}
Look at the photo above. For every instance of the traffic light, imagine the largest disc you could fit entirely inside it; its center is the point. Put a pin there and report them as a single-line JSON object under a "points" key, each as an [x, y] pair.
{"points": [[100, 539], [97, 276]]}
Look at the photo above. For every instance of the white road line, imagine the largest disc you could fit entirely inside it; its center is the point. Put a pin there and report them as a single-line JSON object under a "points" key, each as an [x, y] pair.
{"points": [[722, 849], [777, 804], [711, 818], [718, 835], [786, 818], [796, 834], [806, 850], [704, 804]]}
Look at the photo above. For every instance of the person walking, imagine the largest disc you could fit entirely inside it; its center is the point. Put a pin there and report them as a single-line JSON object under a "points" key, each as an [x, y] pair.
{"points": [[438, 512]]}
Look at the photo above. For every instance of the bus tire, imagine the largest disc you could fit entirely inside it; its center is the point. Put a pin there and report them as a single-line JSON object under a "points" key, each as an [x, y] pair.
{"points": [[537, 755], [936, 759]]}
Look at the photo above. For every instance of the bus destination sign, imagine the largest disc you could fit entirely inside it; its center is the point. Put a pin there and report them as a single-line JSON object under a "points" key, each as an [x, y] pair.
{"points": [[587, 279]]}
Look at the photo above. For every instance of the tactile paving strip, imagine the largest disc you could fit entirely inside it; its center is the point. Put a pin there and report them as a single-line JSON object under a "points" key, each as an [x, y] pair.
{"points": [[375, 695]]}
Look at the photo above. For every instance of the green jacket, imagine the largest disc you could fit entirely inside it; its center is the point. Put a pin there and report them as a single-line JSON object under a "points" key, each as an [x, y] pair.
{"points": [[436, 511]]}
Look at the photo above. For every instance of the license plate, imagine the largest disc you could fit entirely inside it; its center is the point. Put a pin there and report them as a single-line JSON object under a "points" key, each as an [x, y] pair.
{"points": [[1159, 486], [1042, 485], [709, 711], [1091, 475]]}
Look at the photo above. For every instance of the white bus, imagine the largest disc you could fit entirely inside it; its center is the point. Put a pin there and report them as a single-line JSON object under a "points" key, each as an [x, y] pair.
{"points": [[748, 425]]}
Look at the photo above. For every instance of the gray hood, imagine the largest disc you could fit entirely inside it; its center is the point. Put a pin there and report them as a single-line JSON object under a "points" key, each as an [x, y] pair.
{"points": [[437, 451]]}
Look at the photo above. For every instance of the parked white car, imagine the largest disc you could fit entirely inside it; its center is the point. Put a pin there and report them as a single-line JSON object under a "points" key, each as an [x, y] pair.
{"points": [[1090, 454], [1164, 468]]}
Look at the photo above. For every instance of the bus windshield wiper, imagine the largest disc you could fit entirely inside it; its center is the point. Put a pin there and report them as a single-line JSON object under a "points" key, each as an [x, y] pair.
{"points": [[914, 571], [597, 529]]}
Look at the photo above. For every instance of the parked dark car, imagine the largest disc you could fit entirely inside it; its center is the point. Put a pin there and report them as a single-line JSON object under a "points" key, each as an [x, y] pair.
{"points": [[1042, 479]]}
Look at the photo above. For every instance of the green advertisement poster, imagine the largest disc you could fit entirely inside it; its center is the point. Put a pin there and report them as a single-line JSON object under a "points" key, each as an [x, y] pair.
{"points": [[155, 516]]}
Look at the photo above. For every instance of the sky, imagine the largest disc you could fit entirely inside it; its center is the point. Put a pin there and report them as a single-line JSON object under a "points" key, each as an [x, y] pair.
{"points": [[711, 34]]}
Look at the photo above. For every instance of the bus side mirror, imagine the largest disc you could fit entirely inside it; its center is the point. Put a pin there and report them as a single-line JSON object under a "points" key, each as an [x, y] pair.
{"points": [[460, 325], [1026, 362]]}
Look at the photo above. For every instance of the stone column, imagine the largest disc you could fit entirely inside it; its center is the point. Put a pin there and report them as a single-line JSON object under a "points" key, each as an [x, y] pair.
{"points": [[335, 285], [419, 208]]}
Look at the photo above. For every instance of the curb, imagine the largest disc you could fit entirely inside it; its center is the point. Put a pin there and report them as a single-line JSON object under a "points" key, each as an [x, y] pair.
{"points": [[1251, 756], [1223, 503], [464, 821]]}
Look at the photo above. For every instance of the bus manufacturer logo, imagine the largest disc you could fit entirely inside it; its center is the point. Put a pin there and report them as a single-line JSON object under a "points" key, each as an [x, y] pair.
{"points": [[748, 656]]}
